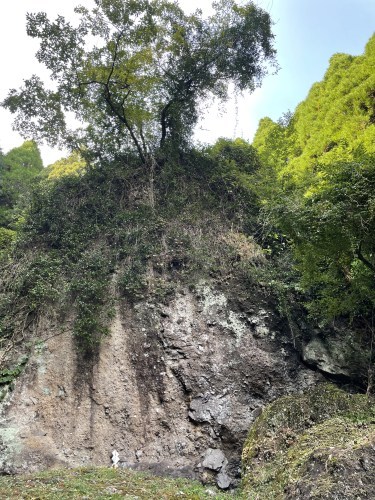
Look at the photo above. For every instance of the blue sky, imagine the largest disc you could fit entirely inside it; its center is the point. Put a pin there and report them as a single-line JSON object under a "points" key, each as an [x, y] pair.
{"points": [[308, 33]]}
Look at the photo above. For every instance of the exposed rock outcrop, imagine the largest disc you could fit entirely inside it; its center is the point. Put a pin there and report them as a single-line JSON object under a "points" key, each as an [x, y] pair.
{"points": [[173, 388], [340, 354]]}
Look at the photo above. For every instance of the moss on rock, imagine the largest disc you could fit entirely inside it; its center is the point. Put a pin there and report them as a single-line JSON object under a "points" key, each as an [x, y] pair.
{"points": [[317, 445]]}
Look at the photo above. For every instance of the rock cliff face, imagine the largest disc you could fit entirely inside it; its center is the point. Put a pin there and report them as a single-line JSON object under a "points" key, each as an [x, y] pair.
{"points": [[174, 388]]}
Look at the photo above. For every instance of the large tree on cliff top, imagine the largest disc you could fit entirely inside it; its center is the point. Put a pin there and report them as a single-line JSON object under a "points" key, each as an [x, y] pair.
{"points": [[134, 72]]}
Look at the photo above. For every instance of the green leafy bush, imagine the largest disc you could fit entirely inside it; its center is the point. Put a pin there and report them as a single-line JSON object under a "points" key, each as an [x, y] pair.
{"points": [[90, 238]]}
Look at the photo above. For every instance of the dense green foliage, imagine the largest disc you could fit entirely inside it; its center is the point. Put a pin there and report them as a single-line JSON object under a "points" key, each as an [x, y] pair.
{"points": [[140, 87], [18, 170], [93, 231], [73, 165], [317, 186]]}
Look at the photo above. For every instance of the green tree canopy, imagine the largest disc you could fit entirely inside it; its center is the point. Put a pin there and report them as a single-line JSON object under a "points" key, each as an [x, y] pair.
{"points": [[336, 122], [321, 164], [27, 156], [18, 169], [235, 153], [135, 72], [72, 165]]}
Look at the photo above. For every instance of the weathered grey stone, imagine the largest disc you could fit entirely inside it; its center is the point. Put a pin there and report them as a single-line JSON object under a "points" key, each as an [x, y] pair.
{"points": [[223, 480], [212, 408], [261, 331], [215, 374], [199, 410], [214, 459], [257, 412], [336, 356]]}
